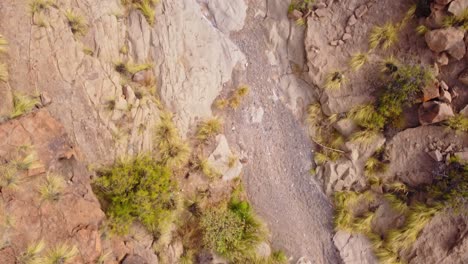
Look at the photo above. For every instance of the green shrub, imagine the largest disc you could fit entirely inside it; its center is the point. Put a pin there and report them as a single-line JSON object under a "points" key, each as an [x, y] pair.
{"points": [[139, 189], [232, 230], [405, 84]]}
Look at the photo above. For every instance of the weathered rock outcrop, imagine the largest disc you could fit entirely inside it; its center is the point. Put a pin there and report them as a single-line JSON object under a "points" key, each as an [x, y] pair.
{"points": [[73, 219]]}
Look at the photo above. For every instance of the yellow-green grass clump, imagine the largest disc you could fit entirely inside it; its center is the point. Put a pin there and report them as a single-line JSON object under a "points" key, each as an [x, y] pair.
{"points": [[77, 23], [208, 129]]}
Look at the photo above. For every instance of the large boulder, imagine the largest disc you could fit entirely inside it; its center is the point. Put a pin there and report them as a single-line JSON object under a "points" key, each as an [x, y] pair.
{"points": [[444, 39], [434, 112], [354, 248]]}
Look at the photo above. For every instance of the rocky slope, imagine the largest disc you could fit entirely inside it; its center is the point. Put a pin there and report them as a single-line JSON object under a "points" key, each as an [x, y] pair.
{"points": [[102, 90]]}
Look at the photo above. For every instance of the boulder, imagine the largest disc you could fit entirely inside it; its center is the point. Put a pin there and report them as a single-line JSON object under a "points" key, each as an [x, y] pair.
{"points": [[443, 241], [345, 127], [221, 157], [457, 7], [433, 112], [458, 50], [354, 248], [444, 39]]}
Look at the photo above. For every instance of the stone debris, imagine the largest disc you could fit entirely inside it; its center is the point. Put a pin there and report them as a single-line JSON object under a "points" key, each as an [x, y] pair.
{"points": [[434, 112]]}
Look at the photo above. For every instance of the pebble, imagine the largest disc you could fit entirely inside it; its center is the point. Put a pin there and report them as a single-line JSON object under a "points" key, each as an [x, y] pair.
{"points": [[360, 11], [352, 20], [346, 36]]}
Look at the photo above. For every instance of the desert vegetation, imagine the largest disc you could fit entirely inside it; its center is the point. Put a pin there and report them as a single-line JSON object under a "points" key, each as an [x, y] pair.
{"points": [[146, 7], [137, 189]]}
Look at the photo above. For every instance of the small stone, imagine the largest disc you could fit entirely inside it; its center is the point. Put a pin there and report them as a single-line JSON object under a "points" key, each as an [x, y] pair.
{"points": [[444, 86], [430, 91], [139, 76], [340, 42], [442, 59], [345, 127], [360, 11], [321, 5], [449, 148], [348, 29], [436, 155], [321, 12], [445, 97], [295, 14], [352, 20], [334, 43], [45, 99], [346, 36]]}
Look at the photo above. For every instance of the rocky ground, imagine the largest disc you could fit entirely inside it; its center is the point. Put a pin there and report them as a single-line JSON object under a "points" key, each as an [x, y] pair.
{"points": [[86, 114]]}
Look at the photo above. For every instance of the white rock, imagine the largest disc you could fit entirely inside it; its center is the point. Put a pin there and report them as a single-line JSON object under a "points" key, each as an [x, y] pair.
{"points": [[219, 159], [457, 7], [229, 15]]}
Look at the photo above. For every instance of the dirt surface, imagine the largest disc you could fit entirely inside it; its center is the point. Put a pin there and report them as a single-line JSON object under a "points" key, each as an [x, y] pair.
{"points": [[276, 176]]}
